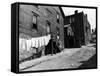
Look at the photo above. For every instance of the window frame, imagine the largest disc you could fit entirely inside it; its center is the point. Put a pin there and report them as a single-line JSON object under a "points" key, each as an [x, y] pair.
{"points": [[34, 24]]}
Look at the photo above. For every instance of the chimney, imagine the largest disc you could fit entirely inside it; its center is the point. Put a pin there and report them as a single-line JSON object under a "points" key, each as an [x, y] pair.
{"points": [[76, 11], [86, 15]]}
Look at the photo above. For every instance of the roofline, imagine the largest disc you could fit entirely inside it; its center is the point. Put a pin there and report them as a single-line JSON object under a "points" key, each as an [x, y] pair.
{"points": [[74, 14], [62, 12]]}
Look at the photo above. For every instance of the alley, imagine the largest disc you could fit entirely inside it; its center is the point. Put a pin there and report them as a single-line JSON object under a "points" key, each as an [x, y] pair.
{"points": [[67, 59]]}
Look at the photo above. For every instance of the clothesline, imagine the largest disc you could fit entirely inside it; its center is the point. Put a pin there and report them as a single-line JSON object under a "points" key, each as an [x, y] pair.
{"points": [[27, 44]]}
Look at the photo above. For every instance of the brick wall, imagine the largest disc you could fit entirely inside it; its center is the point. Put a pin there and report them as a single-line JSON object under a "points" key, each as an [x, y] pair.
{"points": [[81, 29], [43, 15]]}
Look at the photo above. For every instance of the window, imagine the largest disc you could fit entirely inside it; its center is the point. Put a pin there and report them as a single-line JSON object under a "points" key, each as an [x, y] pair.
{"points": [[58, 31], [34, 20], [48, 26], [58, 17], [70, 31]]}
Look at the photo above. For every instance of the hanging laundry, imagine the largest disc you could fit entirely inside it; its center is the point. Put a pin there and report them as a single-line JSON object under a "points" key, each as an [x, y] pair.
{"points": [[40, 42], [49, 36], [36, 42], [22, 44], [43, 42], [46, 40], [29, 45], [33, 42]]}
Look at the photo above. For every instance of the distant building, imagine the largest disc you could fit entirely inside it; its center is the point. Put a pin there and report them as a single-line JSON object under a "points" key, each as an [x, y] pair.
{"points": [[93, 36], [37, 21], [77, 30]]}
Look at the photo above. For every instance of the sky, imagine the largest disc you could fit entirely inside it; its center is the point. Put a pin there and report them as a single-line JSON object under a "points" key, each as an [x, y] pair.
{"points": [[91, 14]]}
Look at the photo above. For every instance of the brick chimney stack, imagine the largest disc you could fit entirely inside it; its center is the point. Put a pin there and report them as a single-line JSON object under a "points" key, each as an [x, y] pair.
{"points": [[76, 11]]}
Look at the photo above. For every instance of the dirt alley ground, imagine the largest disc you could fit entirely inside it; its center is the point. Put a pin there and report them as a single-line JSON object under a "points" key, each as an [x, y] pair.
{"points": [[67, 59]]}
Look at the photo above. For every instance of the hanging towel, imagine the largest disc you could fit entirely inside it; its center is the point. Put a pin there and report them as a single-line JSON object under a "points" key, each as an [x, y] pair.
{"points": [[20, 43], [36, 42], [49, 36], [46, 40], [33, 42], [40, 42], [29, 44], [43, 43], [23, 44]]}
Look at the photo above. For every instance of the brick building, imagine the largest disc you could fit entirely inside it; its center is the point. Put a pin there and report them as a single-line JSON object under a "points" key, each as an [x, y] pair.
{"points": [[37, 21], [77, 30]]}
